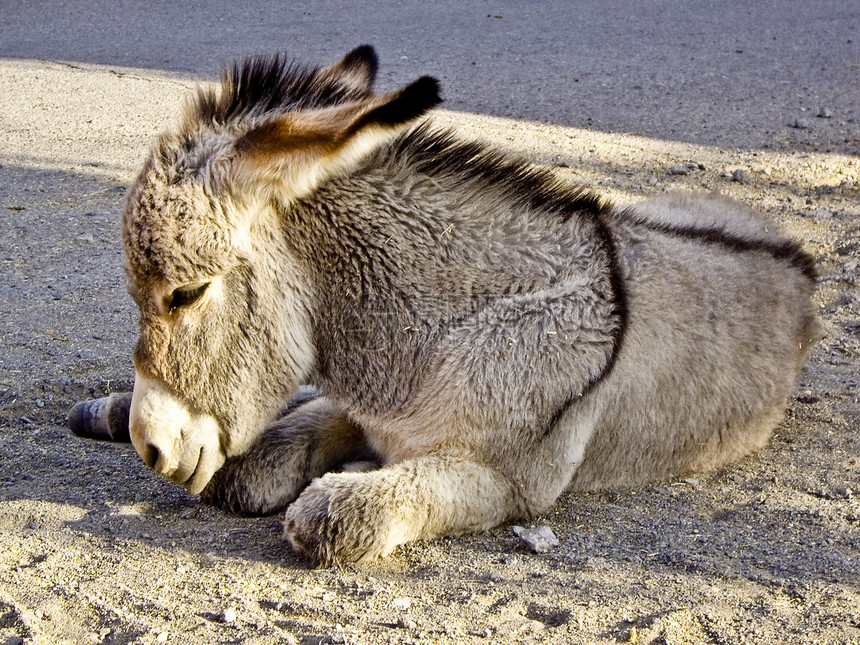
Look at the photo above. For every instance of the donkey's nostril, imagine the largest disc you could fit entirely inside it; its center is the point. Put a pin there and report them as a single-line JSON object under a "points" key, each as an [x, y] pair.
{"points": [[150, 455]]}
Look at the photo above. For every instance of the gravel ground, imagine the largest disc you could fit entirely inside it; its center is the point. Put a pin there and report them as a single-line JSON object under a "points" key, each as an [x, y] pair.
{"points": [[94, 548]]}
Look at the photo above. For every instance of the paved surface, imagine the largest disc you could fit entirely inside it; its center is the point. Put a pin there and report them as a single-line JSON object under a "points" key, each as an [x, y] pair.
{"points": [[717, 73]]}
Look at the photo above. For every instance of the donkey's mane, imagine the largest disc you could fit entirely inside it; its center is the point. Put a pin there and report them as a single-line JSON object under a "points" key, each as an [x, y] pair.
{"points": [[267, 84], [440, 152], [261, 86]]}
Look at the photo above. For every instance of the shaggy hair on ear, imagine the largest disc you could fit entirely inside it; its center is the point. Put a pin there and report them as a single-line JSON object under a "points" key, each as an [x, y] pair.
{"points": [[265, 85]]}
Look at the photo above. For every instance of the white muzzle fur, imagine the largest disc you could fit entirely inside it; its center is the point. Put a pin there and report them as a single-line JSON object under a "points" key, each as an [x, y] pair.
{"points": [[181, 445]]}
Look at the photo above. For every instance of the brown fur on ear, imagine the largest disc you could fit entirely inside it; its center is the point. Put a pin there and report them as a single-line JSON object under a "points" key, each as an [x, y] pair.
{"points": [[300, 149], [327, 128], [291, 133]]}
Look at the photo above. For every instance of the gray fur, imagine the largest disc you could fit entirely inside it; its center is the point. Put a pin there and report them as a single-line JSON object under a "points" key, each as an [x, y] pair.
{"points": [[488, 334]]}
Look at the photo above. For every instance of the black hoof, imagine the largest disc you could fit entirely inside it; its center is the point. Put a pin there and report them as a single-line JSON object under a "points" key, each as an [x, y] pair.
{"points": [[88, 419], [105, 419]]}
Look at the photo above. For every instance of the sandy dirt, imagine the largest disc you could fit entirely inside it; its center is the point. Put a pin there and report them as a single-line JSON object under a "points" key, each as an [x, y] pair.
{"points": [[94, 548]]}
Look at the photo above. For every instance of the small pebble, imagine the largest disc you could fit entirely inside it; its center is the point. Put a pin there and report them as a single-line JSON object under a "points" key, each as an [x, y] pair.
{"points": [[228, 615], [824, 113], [679, 170], [739, 175], [800, 124], [539, 539], [403, 604], [406, 623], [162, 637], [807, 397]]}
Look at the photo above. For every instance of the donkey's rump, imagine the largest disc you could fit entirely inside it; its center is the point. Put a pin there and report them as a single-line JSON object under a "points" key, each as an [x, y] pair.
{"points": [[718, 325]]}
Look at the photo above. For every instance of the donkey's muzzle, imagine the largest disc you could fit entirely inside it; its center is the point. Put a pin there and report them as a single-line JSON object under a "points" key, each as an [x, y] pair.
{"points": [[182, 445]]}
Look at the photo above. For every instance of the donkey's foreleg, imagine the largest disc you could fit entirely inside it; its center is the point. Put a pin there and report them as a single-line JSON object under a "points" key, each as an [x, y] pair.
{"points": [[311, 440], [362, 516]]}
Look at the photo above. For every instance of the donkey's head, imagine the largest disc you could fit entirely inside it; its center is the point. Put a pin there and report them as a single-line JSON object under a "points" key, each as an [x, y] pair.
{"points": [[226, 306]]}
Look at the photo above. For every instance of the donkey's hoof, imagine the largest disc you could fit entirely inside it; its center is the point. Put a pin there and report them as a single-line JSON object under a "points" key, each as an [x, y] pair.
{"points": [[307, 527], [339, 518], [105, 419], [88, 419]]}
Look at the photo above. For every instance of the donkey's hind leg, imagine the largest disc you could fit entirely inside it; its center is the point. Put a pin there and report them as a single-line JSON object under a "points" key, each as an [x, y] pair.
{"points": [[312, 439], [104, 419]]}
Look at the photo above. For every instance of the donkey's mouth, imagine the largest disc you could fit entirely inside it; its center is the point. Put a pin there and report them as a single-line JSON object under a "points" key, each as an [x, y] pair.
{"points": [[194, 470], [206, 467], [197, 472]]}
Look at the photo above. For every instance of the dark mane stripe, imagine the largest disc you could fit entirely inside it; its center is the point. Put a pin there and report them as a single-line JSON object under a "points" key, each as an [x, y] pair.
{"points": [[440, 152], [265, 84], [781, 249]]}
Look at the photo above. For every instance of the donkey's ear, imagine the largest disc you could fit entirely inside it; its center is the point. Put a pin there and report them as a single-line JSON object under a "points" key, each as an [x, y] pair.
{"points": [[355, 72], [406, 105], [290, 156]]}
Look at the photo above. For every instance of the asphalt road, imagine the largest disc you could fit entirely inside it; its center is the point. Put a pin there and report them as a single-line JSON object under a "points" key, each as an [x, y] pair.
{"points": [[724, 73]]}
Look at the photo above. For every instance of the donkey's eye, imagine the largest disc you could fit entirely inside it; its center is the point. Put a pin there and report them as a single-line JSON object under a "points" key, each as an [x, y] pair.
{"points": [[185, 296]]}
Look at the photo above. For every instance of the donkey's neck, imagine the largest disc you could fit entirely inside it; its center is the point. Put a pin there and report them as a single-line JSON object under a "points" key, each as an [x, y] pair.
{"points": [[400, 254]]}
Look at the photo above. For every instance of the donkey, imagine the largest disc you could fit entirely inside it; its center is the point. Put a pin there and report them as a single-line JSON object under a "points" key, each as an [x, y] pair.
{"points": [[394, 334]]}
